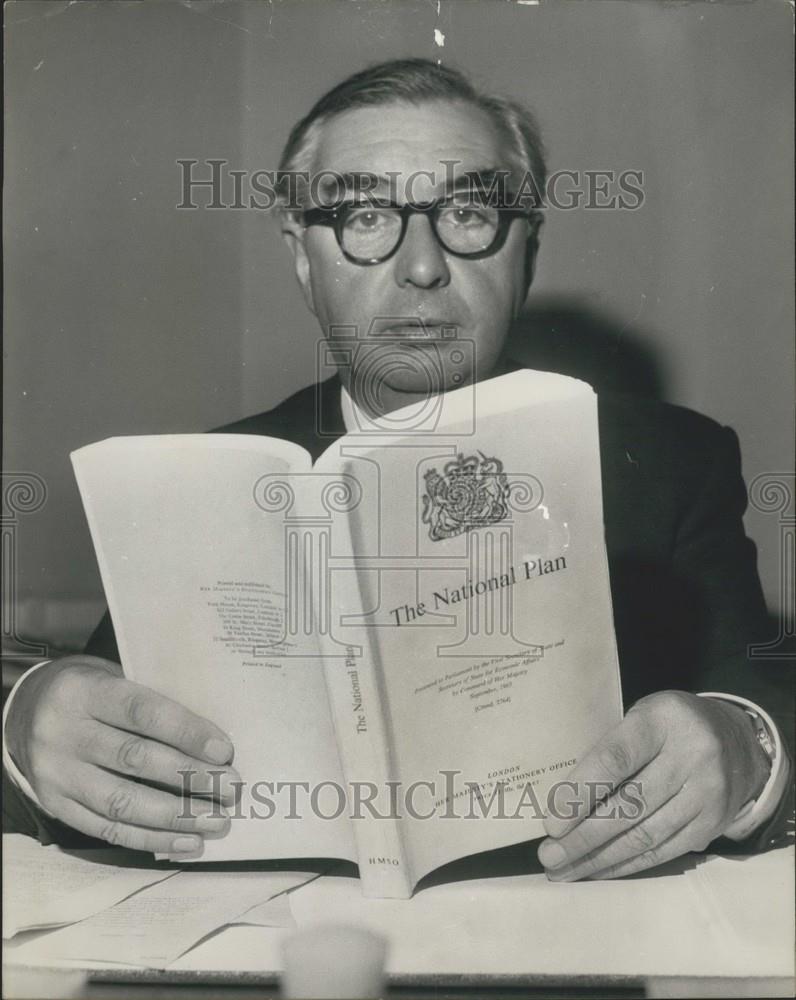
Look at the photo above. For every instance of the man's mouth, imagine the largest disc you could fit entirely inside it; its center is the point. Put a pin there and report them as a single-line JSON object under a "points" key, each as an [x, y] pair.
{"points": [[412, 330]]}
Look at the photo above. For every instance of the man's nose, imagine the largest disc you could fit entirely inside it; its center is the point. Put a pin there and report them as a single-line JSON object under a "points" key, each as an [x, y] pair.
{"points": [[420, 260]]}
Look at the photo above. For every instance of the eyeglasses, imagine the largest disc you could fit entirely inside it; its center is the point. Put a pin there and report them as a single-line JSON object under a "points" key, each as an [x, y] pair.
{"points": [[371, 232]]}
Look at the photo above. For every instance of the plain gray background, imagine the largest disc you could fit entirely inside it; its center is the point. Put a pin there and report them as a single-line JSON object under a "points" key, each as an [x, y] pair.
{"points": [[124, 315]]}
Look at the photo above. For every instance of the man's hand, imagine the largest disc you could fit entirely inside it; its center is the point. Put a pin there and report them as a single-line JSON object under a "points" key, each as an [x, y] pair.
{"points": [[670, 778], [87, 740]]}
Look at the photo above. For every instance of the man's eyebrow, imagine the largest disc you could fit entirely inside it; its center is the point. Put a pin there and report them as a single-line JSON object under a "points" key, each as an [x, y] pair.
{"points": [[334, 185]]}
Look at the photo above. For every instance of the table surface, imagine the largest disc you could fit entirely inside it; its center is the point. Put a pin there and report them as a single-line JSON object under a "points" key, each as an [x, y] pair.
{"points": [[636, 936], [153, 987]]}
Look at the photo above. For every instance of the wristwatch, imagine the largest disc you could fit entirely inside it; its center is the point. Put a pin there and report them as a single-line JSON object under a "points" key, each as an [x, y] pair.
{"points": [[755, 812], [763, 736]]}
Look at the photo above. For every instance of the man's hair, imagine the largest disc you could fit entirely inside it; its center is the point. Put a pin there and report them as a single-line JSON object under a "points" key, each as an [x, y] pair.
{"points": [[415, 81]]}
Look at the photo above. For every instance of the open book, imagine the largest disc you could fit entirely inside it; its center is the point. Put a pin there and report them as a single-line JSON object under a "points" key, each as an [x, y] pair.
{"points": [[409, 643]]}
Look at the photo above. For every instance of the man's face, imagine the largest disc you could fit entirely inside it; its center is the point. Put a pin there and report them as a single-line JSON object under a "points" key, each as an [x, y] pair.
{"points": [[423, 308]]}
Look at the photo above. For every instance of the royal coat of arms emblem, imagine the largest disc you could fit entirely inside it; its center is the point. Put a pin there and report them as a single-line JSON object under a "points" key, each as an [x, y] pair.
{"points": [[470, 493]]}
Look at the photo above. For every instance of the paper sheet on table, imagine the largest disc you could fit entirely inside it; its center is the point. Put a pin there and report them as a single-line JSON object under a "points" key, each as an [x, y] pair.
{"points": [[519, 924], [761, 924], [662, 924], [659, 924], [272, 913], [49, 887], [159, 924]]}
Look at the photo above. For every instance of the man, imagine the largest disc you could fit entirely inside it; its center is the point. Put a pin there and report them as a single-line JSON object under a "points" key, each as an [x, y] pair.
{"points": [[92, 752]]}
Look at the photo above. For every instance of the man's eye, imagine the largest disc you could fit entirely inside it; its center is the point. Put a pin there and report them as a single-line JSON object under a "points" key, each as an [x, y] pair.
{"points": [[465, 215], [365, 218]]}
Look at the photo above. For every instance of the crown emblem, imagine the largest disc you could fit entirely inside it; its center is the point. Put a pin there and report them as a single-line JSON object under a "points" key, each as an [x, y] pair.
{"points": [[471, 492]]}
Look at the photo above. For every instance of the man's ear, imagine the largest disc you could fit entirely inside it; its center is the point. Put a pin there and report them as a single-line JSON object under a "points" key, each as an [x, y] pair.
{"points": [[293, 235], [532, 249]]}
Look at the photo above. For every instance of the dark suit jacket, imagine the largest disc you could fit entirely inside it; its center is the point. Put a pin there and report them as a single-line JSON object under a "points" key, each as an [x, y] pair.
{"points": [[686, 595]]}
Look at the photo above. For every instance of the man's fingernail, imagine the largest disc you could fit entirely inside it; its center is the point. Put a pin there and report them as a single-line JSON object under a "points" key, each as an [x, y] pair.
{"points": [[552, 855], [212, 822], [184, 845], [218, 751], [563, 875]]}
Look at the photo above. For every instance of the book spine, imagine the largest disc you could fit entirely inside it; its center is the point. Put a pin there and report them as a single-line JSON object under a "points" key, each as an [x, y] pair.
{"points": [[364, 746], [359, 712]]}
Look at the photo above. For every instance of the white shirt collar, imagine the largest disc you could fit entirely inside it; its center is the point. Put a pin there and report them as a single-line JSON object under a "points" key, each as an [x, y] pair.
{"points": [[412, 418], [351, 412]]}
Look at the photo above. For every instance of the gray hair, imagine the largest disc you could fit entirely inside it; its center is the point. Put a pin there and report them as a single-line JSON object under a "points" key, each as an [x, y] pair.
{"points": [[413, 81]]}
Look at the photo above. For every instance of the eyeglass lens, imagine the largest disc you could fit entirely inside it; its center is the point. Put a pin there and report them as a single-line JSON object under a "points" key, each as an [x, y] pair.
{"points": [[371, 232]]}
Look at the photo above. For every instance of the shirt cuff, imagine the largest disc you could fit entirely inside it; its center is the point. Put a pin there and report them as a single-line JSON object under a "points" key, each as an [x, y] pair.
{"points": [[17, 777], [755, 812]]}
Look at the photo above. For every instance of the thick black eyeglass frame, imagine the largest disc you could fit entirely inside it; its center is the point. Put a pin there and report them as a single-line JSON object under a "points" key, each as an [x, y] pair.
{"points": [[336, 215]]}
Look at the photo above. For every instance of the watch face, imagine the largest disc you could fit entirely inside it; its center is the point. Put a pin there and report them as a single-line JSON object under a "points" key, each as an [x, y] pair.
{"points": [[765, 740], [763, 735]]}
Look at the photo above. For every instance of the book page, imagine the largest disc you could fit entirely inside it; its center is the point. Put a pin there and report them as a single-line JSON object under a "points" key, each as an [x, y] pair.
{"points": [[486, 608], [193, 557]]}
